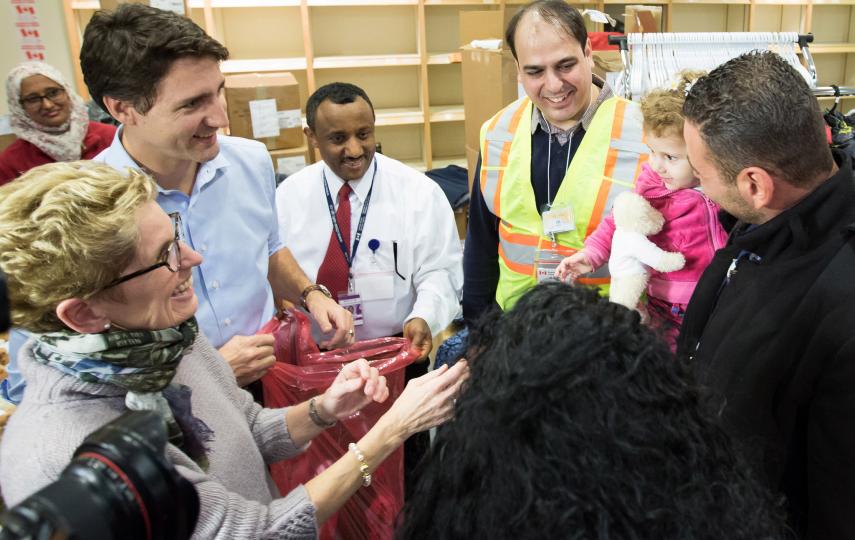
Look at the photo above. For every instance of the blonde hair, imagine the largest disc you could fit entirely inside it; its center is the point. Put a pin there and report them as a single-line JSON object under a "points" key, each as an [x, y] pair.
{"points": [[663, 108], [66, 231]]}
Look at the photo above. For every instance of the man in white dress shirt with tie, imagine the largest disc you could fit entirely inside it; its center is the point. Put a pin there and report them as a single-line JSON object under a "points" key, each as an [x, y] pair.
{"points": [[405, 276], [376, 233]]}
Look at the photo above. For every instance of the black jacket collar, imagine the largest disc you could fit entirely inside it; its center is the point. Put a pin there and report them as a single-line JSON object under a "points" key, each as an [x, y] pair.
{"points": [[824, 210]]}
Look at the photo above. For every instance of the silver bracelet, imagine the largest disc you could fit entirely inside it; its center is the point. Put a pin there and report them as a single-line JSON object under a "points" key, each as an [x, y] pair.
{"points": [[316, 418], [363, 465]]}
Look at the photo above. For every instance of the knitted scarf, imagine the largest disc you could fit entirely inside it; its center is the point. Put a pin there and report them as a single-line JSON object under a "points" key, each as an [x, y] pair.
{"points": [[141, 361]]}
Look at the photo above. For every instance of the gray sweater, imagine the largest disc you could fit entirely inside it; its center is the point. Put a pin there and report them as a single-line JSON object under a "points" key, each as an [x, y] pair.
{"points": [[238, 498]]}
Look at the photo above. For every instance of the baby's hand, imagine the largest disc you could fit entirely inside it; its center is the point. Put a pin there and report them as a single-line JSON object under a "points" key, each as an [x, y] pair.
{"points": [[574, 266]]}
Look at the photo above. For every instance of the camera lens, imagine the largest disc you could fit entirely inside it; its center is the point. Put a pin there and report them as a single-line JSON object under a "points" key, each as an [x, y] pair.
{"points": [[119, 485]]}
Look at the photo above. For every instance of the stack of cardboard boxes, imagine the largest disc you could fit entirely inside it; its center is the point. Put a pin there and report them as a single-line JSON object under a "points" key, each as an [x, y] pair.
{"points": [[642, 19], [489, 75], [489, 80], [266, 107]]}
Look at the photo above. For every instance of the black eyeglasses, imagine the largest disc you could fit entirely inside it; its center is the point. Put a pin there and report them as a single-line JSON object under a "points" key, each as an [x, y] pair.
{"points": [[171, 257], [53, 95]]}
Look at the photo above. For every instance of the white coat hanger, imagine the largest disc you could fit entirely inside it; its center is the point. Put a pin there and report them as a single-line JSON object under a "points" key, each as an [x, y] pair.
{"points": [[657, 58]]}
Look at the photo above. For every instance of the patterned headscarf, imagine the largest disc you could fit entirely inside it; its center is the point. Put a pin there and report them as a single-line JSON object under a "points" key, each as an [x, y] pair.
{"points": [[62, 143]]}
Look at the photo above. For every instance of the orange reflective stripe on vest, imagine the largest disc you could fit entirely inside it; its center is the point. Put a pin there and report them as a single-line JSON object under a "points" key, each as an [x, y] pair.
{"points": [[494, 154], [624, 161]]}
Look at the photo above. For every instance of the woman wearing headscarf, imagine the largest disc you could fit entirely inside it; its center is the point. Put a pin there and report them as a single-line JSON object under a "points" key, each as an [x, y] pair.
{"points": [[50, 121], [101, 278]]}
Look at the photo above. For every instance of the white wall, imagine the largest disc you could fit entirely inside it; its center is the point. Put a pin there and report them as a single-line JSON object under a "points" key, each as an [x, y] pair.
{"points": [[53, 35]]}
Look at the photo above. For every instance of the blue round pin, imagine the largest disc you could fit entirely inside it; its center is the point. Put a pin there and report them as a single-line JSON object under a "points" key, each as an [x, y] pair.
{"points": [[373, 244]]}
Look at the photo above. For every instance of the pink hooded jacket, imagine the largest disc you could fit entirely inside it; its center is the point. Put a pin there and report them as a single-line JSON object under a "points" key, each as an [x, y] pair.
{"points": [[691, 227]]}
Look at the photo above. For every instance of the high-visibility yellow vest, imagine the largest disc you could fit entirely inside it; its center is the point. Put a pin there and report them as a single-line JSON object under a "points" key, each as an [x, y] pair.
{"points": [[606, 163]]}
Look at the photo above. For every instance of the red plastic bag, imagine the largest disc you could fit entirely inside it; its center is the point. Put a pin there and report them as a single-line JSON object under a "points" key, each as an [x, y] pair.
{"points": [[292, 334], [301, 371]]}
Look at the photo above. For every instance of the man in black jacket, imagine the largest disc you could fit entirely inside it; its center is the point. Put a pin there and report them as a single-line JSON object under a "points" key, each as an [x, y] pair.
{"points": [[771, 325]]}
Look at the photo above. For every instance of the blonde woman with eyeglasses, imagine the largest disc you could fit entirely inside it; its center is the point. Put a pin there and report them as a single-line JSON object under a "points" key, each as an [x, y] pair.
{"points": [[50, 121], [103, 280]]}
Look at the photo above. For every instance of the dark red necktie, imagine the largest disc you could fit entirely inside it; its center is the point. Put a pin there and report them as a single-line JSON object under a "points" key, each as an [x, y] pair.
{"points": [[333, 271]]}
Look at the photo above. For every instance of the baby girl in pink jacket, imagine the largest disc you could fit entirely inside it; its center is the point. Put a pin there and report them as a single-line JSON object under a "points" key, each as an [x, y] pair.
{"points": [[691, 227]]}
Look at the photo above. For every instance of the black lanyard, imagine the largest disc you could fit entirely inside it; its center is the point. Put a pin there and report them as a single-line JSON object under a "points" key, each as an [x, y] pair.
{"points": [[348, 258]]}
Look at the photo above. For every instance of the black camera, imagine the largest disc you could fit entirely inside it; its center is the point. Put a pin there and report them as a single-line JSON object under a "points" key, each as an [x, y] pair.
{"points": [[119, 484]]}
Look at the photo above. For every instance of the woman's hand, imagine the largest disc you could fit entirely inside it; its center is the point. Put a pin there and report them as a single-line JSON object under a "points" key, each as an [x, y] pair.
{"points": [[427, 401], [356, 385]]}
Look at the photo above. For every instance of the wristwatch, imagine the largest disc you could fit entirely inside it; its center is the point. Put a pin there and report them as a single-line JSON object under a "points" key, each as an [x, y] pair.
{"points": [[309, 289]]}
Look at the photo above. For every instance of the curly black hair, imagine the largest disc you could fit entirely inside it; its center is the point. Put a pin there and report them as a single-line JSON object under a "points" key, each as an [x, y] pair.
{"points": [[578, 422]]}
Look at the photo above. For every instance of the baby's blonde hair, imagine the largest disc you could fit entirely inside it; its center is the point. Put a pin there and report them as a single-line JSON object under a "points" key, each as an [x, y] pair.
{"points": [[663, 108], [66, 231]]}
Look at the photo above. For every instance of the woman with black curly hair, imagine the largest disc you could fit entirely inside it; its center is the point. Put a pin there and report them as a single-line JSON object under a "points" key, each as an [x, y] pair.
{"points": [[578, 423]]}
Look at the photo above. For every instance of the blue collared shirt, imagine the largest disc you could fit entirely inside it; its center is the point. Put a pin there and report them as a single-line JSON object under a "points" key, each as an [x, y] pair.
{"points": [[230, 218], [12, 388]]}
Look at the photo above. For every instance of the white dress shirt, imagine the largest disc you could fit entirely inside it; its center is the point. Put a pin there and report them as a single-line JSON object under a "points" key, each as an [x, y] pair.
{"points": [[407, 208]]}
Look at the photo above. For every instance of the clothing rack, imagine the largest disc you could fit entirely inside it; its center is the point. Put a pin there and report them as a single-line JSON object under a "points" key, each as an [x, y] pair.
{"points": [[834, 91], [652, 60]]}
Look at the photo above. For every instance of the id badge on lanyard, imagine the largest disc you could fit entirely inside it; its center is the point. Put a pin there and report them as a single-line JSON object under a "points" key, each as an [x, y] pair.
{"points": [[352, 301], [555, 220], [558, 220], [546, 261]]}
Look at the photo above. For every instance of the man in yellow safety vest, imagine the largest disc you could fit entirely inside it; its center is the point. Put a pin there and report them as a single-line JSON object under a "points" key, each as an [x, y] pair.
{"points": [[551, 163]]}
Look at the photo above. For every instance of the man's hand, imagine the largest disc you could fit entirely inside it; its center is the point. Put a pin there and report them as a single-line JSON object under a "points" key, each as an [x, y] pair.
{"points": [[249, 356], [418, 332], [331, 317]]}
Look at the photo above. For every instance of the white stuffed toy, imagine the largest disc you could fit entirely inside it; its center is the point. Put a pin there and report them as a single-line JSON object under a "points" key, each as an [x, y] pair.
{"points": [[632, 252]]}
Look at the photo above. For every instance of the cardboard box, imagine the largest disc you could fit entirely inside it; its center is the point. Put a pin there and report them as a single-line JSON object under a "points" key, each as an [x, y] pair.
{"points": [[489, 83], [461, 219], [265, 107], [489, 76], [290, 160], [483, 25], [607, 62], [641, 19], [110, 5]]}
